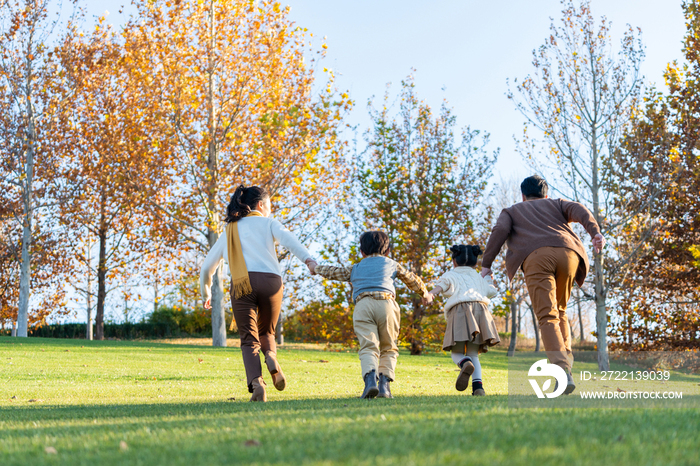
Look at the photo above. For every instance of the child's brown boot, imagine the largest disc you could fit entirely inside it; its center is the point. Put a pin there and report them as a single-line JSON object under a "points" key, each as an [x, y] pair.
{"points": [[273, 366], [467, 369], [259, 393]]}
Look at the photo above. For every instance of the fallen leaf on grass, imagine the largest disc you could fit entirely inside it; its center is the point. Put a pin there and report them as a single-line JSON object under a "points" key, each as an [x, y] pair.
{"points": [[50, 450], [67, 351], [252, 443], [200, 360], [233, 398], [34, 400], [620, 438], [14, 397], [621, 390], [322, 360], [123, 446]]}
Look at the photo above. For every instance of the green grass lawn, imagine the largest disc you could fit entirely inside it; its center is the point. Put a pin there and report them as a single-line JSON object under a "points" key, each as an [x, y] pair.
{"points": [[142, 403]]}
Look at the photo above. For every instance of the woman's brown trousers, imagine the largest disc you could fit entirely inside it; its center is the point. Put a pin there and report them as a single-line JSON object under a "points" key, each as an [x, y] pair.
{"points": [[256, 316]]}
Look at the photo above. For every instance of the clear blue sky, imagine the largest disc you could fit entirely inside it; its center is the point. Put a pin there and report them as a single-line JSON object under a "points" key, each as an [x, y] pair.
{"points": [[463, 50]]}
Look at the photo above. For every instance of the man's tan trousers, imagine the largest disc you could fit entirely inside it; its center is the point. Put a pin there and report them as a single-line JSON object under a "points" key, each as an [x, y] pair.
{"points": [[549, 275], [377, 323]]}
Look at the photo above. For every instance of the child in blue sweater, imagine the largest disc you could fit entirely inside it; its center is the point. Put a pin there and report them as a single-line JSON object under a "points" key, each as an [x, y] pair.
{"points": [[376, 318]]}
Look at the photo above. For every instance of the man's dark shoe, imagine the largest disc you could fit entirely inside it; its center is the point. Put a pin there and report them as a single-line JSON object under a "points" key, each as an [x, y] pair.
{"points": [[570, 385], [384, 390], [371, 389]]}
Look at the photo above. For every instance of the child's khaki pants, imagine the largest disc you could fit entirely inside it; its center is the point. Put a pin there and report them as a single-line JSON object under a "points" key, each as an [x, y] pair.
{"points": [[377, 323]]}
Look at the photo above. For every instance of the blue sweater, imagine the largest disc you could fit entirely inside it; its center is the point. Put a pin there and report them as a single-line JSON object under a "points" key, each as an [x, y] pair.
{"points": [[376, 273]]}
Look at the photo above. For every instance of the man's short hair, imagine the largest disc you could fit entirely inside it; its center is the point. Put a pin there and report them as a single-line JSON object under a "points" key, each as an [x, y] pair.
{"points": [[534, 187], [374, 242]]}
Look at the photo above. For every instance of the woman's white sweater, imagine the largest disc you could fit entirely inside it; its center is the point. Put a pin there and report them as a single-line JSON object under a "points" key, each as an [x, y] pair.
{"points": [[465, 284], [258, 237]]}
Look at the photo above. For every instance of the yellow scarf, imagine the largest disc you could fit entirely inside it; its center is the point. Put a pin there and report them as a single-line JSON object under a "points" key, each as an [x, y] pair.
{"points": [[240, 281]]}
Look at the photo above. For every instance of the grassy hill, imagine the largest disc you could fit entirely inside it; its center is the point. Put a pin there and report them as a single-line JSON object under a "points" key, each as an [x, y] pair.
{"points": [[100, 403]]}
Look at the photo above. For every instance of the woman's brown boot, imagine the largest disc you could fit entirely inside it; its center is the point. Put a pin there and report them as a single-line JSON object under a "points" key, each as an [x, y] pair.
{"points": [[275, 371], [258, 390]]}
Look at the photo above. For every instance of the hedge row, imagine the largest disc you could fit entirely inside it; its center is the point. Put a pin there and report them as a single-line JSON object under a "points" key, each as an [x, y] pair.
{"points": [[166, 322]]}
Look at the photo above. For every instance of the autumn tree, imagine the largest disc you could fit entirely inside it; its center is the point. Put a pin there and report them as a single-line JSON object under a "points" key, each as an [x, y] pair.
{"points": [[49, 267], [658, 299], [28, 79], [425, 189], [50, 263], [579, 98], [237, 82], [114, 146]]}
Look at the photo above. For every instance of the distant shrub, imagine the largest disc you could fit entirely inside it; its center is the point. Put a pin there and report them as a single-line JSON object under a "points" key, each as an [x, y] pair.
{"points": [[165, 322], [177, 320], [320, 322]]}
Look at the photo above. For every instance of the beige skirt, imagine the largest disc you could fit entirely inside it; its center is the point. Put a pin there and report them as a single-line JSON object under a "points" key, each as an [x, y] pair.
{"points": [[472, 322]]}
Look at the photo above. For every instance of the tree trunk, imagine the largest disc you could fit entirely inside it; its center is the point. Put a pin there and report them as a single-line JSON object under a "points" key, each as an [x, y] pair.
{"points": [[601, 315], [279, 331], [126, 309], [25, 275], [513, 327], [218, 318], [101, 284], [28, 214], [417, 345], [571, 331], [580, 315], [601, 312], [537, 329], [88, 327], [155, 295]]}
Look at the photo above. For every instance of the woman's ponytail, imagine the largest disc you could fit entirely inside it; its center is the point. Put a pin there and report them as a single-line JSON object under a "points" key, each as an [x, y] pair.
{"points": [[243, 201]]}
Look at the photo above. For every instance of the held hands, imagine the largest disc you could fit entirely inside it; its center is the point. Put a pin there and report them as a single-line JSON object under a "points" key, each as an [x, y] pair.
{"points": [[427, 299], [311, 264], [598, 243], [486, 271]]}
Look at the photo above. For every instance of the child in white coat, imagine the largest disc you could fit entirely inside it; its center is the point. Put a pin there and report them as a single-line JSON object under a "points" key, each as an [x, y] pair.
{"points": [[470, 327]]}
